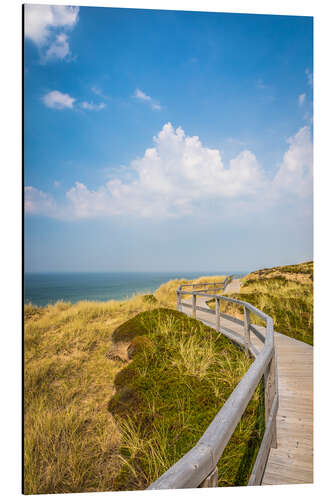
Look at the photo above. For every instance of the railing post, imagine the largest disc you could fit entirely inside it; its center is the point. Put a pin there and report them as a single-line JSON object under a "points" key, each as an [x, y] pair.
{"points": [[211, 480], [217, 313], [178, 301], [194, 305], [247, 329], [270, 391]]}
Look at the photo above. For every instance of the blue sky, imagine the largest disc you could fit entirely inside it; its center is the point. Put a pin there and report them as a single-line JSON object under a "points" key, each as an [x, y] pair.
{"points": [[163, 140]]}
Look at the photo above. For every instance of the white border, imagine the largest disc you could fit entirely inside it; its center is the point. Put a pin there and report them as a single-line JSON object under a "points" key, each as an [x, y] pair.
{"points": [[11, 242]]}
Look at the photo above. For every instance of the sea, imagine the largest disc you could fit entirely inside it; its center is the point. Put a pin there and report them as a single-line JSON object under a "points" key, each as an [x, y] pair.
{"points": [[47, 288]]}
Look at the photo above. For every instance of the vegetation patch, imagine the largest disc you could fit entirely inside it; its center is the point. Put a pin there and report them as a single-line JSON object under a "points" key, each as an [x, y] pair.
{"points": [[71, 440], [166, 295], [171, 391], [74, 443], [285, 293], [150, 299]]}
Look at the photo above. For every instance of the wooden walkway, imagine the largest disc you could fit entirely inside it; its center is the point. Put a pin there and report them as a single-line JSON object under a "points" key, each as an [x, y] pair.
{"points": [[292, 461]]}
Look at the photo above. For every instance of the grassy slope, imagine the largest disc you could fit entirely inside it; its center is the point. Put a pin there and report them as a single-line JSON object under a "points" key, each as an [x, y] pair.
{"points": [[73, 443], [169, 394], [286, 294]]}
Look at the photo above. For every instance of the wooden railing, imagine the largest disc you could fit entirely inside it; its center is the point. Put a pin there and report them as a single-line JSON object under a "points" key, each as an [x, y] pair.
{"points": [[198, 467]]}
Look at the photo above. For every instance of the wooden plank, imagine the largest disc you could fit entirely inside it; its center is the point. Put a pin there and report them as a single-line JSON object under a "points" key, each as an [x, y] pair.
{"points": [[239, 339], [217, 313], [261, 460], [202, 284], [292, 461], [232, 319], [258, 334], [194, 303], [270, 394], [207, 310], [289, 474], [185, 304], [246, 328], [253, 351]]}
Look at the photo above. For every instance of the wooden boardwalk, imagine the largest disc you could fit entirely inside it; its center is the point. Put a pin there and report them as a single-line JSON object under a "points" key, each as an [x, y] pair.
{"points": [[292, 461]]}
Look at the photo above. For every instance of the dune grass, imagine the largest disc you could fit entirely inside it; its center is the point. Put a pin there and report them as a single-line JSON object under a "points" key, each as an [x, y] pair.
{"points": [[75, 438], [167, 296], [70, 438], [172, 390], [285, 293]]}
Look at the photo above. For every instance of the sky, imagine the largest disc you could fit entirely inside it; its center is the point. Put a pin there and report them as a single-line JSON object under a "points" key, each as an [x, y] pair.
{"points": [[166, 141]]}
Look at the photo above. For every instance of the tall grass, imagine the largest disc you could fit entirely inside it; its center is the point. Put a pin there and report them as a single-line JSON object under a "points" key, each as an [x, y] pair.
{"points": [[169, 394], [74, 443], [285, 293], [70, 439], [167, 296]]}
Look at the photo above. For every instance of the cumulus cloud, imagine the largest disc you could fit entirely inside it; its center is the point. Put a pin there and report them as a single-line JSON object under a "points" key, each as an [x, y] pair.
{"points": [[58, 100], [37, 202], [59, 49], [42, 24], [141, 96], [179, 176], [91, 106], [301, 99], [295, 174]]}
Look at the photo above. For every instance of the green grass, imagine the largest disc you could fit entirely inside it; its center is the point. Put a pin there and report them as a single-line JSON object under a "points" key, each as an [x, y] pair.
{"points": [[169, 394], [285, 293], [71, 441], [76, 436]]}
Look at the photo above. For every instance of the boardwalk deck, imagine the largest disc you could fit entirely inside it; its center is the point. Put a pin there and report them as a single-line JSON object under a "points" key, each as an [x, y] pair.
{"points": [[292, 461]]}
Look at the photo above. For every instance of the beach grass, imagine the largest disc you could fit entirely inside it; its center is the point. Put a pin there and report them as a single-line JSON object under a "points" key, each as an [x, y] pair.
{"points": [[76, 439], [166, 398], [285, 293]]}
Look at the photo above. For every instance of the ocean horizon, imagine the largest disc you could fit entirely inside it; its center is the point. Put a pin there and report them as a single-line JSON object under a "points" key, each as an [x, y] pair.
{"points": [[42, 288]]}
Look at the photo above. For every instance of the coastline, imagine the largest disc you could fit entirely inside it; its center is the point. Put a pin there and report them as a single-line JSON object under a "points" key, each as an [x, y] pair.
{"points": [[43, 289]]}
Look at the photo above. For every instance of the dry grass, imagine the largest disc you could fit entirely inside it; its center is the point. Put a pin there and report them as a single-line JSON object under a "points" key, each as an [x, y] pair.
{"points": [[72, 442], [169, 394], [166, 294], [285, 293], [70, 437]]}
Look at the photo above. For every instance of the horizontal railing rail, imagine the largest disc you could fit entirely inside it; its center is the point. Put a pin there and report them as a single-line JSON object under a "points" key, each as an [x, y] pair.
{"points": [[198, 467]]}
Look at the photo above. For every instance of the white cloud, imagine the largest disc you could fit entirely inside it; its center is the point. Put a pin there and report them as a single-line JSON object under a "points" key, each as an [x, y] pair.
{"points": [[295, 174], [58, 100], [42, 24], [37, 202], [310, 77], [59, 49], [301, 99], [91, 106], [179, 176], [141, 96]]}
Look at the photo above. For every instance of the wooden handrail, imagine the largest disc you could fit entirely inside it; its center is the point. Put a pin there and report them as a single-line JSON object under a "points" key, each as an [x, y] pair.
{"points": [[198, 467]]}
